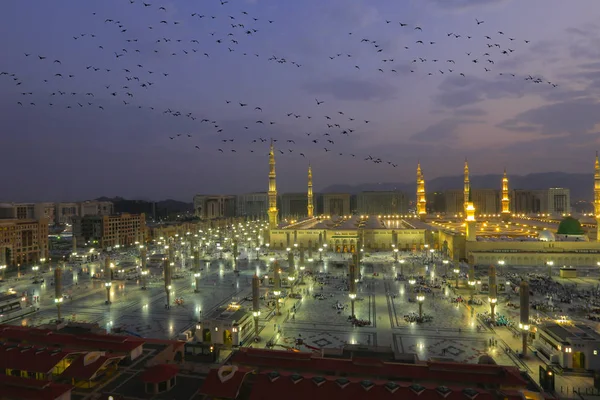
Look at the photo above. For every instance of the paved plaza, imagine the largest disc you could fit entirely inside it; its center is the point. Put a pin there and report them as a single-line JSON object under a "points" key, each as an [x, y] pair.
{"points": [[320, 320]]}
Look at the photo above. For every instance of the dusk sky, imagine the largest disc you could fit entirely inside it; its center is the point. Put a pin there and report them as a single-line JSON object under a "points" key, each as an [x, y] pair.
{"points": [[91, 143]]}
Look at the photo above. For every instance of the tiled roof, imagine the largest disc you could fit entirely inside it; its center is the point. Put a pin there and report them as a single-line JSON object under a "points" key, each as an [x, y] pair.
{"points": [[229, 389], [274, 385], [12, 387], [30, 358], [159, 373], [111, 343], [455, 373], [84, 372]]}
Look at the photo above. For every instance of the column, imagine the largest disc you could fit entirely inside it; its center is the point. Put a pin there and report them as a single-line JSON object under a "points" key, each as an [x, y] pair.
{"points": [[255, 303], [524, 314], [58, 287]]}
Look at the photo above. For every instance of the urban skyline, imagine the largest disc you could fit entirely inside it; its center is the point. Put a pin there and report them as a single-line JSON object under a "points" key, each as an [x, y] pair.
{"points": [[412, 116]]}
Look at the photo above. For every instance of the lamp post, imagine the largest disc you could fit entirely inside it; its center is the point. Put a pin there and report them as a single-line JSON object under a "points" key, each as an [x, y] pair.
{"points": [[257, 250], [431, 251], [108, 266], [471, 283], [402, 261], [320, 254], [276, 285], [167, 271], [58, 297], [456, 272], [493, 289], [550, 264], [501, 264], [255, 303], [352, 279], [144, 279], [395, 254], [524, 314], [2, 268], [420, 300], [291, 278]]}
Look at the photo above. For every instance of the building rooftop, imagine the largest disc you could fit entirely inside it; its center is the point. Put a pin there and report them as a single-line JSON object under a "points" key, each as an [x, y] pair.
{"points": [[89, 341], [564, 332], [231, 313], [12, 387]]}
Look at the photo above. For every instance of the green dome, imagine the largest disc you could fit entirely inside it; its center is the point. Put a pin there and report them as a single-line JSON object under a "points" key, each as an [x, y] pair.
{"points": [[569, 226]]}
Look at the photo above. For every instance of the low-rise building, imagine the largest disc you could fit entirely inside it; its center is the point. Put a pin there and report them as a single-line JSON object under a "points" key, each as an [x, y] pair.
{"points": [[572, 346], [228, 326]]}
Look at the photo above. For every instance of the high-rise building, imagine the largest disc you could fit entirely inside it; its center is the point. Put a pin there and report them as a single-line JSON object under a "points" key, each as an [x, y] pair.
{"points": [[421, 197], [382, 203], [336, 204], [273, 212], [23, 241], [455, 201], [253, 205], [559, 201], [294, 205], [110, 230], [486, 201], [214, 206], [436, 202]]}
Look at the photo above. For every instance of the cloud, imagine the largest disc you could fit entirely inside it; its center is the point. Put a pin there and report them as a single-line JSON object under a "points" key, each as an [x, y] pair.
{"points": [[462, 4], [443, 131], [470, 112], [352, 89], [575, 117], [458, 91]]}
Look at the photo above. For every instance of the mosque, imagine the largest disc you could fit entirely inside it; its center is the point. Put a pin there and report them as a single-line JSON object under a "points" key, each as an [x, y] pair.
{"points": [[497, 239]]}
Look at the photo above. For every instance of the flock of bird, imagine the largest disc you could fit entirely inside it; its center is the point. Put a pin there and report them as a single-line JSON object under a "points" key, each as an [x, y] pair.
{"points": [[233, 29]]}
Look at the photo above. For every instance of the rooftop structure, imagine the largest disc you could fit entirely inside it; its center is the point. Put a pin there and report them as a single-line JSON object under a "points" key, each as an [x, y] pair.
{"points": [[303, 375]]}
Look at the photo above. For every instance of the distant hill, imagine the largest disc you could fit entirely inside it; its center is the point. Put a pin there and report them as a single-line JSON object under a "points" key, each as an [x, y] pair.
{"points": [[156, 210], [581, 185]]}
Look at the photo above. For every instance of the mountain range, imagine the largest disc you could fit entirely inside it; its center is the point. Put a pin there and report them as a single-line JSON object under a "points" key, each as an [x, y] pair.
{"points": [[581, 185]]}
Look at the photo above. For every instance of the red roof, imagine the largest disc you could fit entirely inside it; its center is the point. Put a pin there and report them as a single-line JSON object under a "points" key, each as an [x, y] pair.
{"points": [[29, 358], [213, 387], [111, 343], [298, 387], [12, 387], [80, 371], [455, 373], [159, 373]]}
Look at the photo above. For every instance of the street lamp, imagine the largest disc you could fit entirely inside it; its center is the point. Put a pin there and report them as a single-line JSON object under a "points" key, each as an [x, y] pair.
{"points": [[2, 268], [395, 254], [550, 264], [501, 264], [445, 262], [420, 300], [456, 272], [108, 285], [144, 279], [320, 254], [257, 250], [431, 251], [291, 279]]}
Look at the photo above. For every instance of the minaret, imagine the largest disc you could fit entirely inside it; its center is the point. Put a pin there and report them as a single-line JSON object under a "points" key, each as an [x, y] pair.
{"points": [[467, 189], [505, 199], [310, 207], [597, 196], [272, 212], [470, 222], [421, 201]]}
